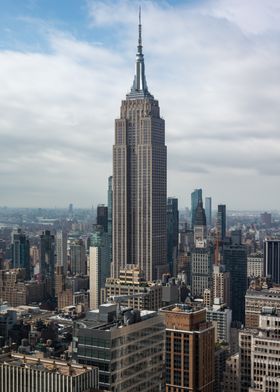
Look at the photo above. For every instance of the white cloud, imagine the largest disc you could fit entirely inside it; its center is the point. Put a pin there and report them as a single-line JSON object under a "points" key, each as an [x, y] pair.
{"points": [[216, 77]]}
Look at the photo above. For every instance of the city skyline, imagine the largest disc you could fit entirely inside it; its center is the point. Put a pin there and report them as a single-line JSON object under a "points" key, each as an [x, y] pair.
{"points": [[63, 78]]}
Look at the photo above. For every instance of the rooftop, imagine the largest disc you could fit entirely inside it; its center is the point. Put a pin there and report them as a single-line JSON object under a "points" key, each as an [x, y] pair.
{"points": [[184, 308], [46, 365]]}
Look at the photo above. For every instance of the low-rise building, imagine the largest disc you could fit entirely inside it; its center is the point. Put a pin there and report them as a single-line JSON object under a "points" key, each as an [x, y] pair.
{"points": [[21, 373]]}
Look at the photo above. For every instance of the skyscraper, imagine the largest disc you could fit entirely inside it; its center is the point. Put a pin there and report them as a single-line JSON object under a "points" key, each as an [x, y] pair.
{"points": [[61, 250], [235, 261], [196, 196], [208, 210], [102, 216], [172, 232], [47, 260], [139, 180], [20, 252], [199, 224], [99, 264], [222, 221], [272, 260]]}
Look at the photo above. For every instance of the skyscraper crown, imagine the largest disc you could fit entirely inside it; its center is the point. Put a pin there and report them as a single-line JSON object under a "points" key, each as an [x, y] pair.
{"points": [[139, 87]]}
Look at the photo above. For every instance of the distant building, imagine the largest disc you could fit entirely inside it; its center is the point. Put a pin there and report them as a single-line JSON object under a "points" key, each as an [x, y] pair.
{"points": [[208, 211], [61, 250], [255, 262], [199, 225], [21, 252], [235, 262], [222, 221], [127, 347], [221, 284], [172, 233], [22, 373], [189, 356], [202, 265], [272, 260], [266, 219], [16, 291], [77, 254], [99, 265], [102, 217], [196, 196], [47, 261]]}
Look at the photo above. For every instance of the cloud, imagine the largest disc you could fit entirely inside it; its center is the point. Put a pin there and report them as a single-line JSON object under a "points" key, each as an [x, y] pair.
{"points": [[216, 77]]}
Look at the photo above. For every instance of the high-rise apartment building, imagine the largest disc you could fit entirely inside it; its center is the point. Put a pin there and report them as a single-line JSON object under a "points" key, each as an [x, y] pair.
{"points": [[139, 180], [195, 197], [21, 252], [222, 221], [208, 211], [61, 250], [77, 257], [127, 347], [22, 373], [172, 233], [272, 260], [189, 356]]}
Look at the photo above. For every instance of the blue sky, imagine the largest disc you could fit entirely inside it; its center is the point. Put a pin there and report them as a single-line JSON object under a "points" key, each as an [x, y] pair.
{"points": [[65, 66]]}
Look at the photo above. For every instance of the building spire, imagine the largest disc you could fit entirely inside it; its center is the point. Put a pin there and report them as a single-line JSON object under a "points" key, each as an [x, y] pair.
{"points": [[139, 88], [139, 33]]}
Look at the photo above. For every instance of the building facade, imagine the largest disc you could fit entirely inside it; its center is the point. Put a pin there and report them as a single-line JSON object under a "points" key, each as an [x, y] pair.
{"points": [[189, 356]]}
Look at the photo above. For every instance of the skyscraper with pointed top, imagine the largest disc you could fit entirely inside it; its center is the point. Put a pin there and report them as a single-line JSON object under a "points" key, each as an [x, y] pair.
{"points": [[139, 179]]}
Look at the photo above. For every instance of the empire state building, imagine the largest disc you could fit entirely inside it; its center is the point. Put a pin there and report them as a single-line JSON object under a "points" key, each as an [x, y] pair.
{"points": [[139, 180]]}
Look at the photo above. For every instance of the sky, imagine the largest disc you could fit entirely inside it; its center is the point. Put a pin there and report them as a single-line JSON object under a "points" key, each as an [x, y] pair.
{"points": [[65, 66]]}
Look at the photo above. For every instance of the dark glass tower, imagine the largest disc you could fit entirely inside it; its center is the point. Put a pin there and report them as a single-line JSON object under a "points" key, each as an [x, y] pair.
{"points": [[172, 232], [222, 221], [196, 196], [102, 217], [47, 260], [20, 252], [235, 261], [272, 260], [139, 180]]}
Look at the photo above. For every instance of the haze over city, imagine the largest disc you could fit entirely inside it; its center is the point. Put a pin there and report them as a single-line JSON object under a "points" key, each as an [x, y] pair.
{"points": [[65, 67]]}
